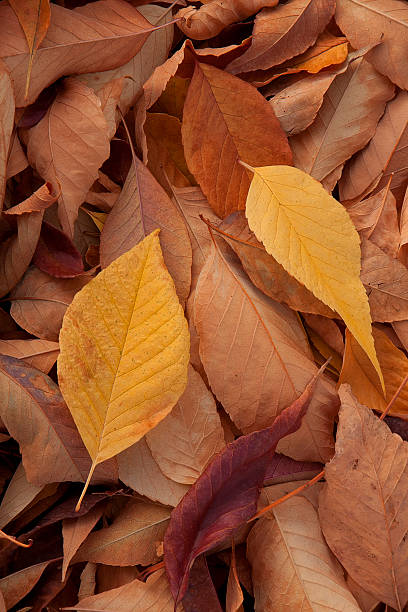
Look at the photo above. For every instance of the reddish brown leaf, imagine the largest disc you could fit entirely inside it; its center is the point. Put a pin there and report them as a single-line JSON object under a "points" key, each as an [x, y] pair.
{"points": [[225, 495], [38, 201], [218, 130], [56, 255], [15, 586], [6, 125], [201, 595]]}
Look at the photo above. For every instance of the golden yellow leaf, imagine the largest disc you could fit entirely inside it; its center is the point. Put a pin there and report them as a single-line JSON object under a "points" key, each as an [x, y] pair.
{"points": [[312, 236], [124, 351]]}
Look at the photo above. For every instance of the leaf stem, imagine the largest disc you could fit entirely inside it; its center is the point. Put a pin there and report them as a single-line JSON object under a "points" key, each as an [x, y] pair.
{"points": [[86, 485], [247, 166], [14, 541]]}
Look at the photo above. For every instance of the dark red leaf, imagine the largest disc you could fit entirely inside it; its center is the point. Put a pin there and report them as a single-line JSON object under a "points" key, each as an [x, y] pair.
{"points": [[56, 255], [36, 111], [225, 495], [201, 595], [284, 469]]}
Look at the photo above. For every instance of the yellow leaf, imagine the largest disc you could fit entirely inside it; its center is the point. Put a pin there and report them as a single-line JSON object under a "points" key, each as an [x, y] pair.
{"points": [[98, 218], [312, 236], [124, 354]]}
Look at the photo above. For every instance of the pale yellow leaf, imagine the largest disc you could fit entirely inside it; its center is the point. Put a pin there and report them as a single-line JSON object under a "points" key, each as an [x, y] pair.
{"points": [[124, 351], [312, 236]]}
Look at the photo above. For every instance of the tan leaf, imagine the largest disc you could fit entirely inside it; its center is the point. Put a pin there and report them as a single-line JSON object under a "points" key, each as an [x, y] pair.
{"points": [[346, 121], [363, 506], [40, 200], [256, 356], [131, 539], [151, 596], [403, 249], [17, 251], [17, 160], [195, 430], [376, 218], [138, 470], [75, 43], [284, 32], [383, 157], [19, 494], [44, 302], [365, 22], [109, 95], [41, 354], [68, 146], [87, 581], [210, 19], [219, 130], [292, 567], [141, 65], [75, 531], [15, 586], [141, 207], [6, 126]]}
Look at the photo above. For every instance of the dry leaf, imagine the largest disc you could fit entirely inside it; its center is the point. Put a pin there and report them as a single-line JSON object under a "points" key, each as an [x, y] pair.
{"points": [[68, 146], [195, 430], [123, 356], [18, 496], [15, 586], [235, 597], [75, 531], [281, 33], [40, 354], [219, 130], [7, 108], [362, 507], [292, 567], [320, 249], [40, 200]]}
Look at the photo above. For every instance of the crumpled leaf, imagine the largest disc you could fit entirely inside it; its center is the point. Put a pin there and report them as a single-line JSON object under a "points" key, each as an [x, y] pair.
{"points": [[225, 495], [284, 32], [220, 130], [320, 249], [68, 146], [210, 19], [123, 355], [363, 505]]}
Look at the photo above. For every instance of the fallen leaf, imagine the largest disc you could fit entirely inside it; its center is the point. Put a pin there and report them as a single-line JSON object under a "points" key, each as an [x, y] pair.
{"points": [[366, 601], [120, 351], [195, 429], [35, 414], [18, 496], [359, 373], [76, 42], [138, 470], [235, 597], [87, 584], [327, 329], [130, 540], [43, 302], [152, 596], [75, 531], [345, 122], [402, 247], [201, 594], [141, 207], [282, 468], [7, 108], [383, 157], [321, 250], [68, 146], [56, 255], [34, 17], [362, 507], [283, 32], [15, 586], [40, 200], [40, 354], [258, 360], [219, 130], [210, 19], [225, 495], [292, 566], [376, 218], [365, 22]]}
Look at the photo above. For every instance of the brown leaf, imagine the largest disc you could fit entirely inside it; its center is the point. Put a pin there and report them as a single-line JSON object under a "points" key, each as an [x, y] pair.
{"points": [[403, 249], [218, 130], [131, 539], [365, 22], [361, 376], [235, 596], [383, 157], [15, 586], [138, 470], [56, 254], [292, 567], [43, 302], [345, 122], [40, 200], [17, 251], [75, 43], [201, 595], [284, 32], [376, 218], [152, 596], [210, 19], [6, 126], [75, 531], [195, 429], [141, 207], [40, 354], [363, 505], [68, 146], [257, 360], [18, 496]]}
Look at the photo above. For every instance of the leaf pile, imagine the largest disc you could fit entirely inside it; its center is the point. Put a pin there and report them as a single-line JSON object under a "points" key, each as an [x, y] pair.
{"points": [[204, 305]]}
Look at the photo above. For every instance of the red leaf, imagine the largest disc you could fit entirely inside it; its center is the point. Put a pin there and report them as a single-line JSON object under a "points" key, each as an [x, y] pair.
{"points": [[225, 495], [201, 595], [56, 255], [282, 467]]}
